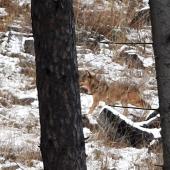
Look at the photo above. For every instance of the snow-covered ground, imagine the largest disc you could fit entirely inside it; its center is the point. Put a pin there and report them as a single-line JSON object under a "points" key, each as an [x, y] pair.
{"points": [[19, 115]]}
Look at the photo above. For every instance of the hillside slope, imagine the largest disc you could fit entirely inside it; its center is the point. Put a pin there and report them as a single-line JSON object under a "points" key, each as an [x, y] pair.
{"points": [[19, 117]]}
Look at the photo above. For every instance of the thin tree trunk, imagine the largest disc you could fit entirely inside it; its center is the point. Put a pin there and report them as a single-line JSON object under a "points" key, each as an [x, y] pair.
{"points": [[160, 19], [62, 141]]}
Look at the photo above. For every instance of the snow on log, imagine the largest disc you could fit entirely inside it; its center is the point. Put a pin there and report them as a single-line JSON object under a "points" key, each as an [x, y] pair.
{"points": [[153, 122]]}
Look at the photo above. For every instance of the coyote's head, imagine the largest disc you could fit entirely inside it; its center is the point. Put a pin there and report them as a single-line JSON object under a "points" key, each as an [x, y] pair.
{"points": [[88, 80], [84, 78]]}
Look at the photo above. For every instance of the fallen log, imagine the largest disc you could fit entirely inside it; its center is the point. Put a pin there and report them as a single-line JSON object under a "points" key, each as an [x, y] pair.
{"points": [[118, 125]]}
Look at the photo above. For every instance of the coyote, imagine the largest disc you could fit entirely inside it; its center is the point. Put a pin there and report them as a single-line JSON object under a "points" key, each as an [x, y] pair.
{"points": [[101, 91]]}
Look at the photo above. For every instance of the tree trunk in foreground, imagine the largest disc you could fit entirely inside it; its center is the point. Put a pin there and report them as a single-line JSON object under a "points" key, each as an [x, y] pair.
{"points": [[62, 141], [160, 19]]}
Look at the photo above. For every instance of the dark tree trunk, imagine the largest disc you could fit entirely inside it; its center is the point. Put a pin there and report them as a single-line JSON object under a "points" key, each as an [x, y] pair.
{"points": [[160, 19], [62, 141]]}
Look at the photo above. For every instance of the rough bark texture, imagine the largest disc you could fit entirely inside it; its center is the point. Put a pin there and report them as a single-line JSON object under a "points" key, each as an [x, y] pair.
{"points": [[160, 19], [62, 141]]}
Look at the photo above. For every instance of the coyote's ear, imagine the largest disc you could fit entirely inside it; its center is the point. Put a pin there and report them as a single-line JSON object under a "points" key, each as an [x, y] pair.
{"points": [[88, 74]]}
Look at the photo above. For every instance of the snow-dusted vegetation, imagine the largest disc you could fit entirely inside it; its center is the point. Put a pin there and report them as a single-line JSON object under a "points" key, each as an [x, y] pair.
{"points": [[106, 33]]}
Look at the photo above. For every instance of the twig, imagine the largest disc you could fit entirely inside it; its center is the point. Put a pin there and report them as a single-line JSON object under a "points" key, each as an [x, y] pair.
{"points": [[110, 42], [160, 166], [134, 107], [19, 166]]}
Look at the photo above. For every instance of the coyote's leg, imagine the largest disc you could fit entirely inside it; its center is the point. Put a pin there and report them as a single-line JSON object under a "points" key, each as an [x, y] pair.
{"points": [[95, 104], [125, 112]]}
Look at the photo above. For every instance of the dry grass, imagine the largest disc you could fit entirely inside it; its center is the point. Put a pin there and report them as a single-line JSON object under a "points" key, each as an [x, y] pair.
{"points": [[27, 64], [107, 139], [20, 154], [151, 163], [14, 11], [10, 8], [28, 69], [28, 72], [100, 22], [7, 99], [109, 21]]}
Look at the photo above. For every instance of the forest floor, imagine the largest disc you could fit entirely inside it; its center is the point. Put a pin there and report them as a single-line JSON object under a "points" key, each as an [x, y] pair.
{"points": [[96, 20]]}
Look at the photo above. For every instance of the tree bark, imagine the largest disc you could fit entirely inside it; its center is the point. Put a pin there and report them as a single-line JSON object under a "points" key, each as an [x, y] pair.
{"points": [[160, 20], [62, 141]]}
